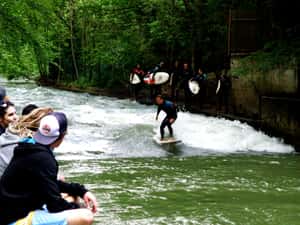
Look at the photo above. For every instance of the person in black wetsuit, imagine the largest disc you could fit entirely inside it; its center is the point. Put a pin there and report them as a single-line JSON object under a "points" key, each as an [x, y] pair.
{"points": [[156, 89], [171, 110], [187, 74], [201, 79], [174, 80], [137, 87]]}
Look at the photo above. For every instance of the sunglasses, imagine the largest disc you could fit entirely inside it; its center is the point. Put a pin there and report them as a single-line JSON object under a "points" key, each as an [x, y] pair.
{"points": [[3, 105]]}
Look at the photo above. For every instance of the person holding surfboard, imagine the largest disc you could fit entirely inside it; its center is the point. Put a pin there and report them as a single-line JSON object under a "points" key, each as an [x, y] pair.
{"points": [[223, 91], [157, 88], [201, 79], [136, 78], [171, 114], [200, 76]]}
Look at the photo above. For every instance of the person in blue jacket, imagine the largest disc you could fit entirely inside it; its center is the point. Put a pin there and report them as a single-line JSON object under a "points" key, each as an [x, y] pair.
{"points": [[171, 114]]}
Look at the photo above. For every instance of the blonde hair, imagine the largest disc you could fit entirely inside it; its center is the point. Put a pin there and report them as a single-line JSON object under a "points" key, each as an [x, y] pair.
{"points": [[27, 124]]}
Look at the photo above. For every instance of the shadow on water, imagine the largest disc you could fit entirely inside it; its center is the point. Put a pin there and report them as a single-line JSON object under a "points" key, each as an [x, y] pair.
{"points": [[173, 149]]}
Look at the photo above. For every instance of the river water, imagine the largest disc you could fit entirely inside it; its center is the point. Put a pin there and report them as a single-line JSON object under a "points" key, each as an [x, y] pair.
{"points": [[224, 172]]}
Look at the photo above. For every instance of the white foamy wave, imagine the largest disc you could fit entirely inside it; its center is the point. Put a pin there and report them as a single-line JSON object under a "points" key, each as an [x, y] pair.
{"points": [[123, 128], [225, 136]]}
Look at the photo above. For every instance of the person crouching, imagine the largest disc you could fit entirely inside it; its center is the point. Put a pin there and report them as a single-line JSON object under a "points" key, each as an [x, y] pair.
{"points": [[29, 189], [171, 115]]}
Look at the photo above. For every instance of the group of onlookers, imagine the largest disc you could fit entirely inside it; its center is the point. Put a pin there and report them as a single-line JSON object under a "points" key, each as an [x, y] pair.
{"points": [[31, 192], [180, 75]]}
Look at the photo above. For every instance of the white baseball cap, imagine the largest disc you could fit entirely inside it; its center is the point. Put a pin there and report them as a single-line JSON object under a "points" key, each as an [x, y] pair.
{"points": [[50, 128]]}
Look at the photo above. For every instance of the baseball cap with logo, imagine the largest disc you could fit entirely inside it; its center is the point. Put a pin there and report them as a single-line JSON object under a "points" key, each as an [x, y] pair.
{"points": [[51, 127]]}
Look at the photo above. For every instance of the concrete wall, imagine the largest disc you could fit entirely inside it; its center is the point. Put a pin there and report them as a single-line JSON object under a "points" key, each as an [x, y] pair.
{"points": [[247, 90], [282, 116], [272, 98]]}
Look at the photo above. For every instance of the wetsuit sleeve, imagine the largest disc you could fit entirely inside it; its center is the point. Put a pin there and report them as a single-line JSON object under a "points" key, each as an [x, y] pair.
{"points": [[49, 187], [158, 110], [155, 69]]}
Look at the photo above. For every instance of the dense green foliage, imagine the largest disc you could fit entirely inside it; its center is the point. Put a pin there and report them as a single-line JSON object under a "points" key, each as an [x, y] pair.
{"points": [[276, 54], [97, 42]]}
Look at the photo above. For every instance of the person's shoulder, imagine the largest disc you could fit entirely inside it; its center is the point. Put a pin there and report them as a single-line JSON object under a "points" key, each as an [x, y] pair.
{"points": [[34, 149], [168, 102], [7, 138]]}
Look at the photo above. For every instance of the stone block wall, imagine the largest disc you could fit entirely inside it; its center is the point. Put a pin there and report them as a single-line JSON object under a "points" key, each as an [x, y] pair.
{"points": [[271, 97]]}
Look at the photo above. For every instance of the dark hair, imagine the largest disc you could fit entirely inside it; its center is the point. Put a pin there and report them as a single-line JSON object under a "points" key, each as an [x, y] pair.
{"points": [[28, 109], [4, 106]]}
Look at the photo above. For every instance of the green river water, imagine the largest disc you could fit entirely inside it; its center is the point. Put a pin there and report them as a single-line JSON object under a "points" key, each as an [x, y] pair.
{"points": [[225, 172], [232, 189]]}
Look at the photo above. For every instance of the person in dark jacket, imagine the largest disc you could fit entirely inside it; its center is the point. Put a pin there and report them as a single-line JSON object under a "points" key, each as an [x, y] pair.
{"points": [[187, 74], [175, 74], [156, 89], [224, 92], [29, 188], [171, 114], [201, 79]]}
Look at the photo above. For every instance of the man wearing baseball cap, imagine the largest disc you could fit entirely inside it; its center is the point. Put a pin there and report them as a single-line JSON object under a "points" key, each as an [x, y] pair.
{"points": [[29, 189]]}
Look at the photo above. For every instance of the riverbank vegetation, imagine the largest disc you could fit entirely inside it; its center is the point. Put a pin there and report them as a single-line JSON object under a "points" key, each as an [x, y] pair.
{"points": [[97, 42]]}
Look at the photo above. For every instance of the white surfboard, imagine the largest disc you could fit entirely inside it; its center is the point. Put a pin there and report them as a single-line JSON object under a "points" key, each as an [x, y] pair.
{"points": [[218, 86], [134, 79], [158, 78], [161, 77], [168, 140], [194, 87]]}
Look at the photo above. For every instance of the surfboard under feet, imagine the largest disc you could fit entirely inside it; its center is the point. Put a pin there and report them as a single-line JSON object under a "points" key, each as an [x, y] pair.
{"points": [[167, 140]]}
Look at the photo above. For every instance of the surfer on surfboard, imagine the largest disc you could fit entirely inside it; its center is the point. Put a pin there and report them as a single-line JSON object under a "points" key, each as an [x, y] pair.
{"points": [[171, 114]]}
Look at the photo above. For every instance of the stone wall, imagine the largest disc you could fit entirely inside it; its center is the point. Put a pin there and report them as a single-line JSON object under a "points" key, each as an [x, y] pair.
{"points": [[282, 116], [272, 98]]}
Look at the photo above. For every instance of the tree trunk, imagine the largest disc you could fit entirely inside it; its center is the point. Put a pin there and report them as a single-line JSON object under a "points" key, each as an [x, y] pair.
{"points": [[72, 18]]}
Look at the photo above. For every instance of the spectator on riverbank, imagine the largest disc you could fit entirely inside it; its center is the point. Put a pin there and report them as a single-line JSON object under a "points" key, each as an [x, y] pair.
{"points": [[7, 115], [23, 128], [29, 184], [28, 109]]}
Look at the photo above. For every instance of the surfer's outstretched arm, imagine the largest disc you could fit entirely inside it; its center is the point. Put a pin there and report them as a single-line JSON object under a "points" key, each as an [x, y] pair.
{"points": [[158, 111]]}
